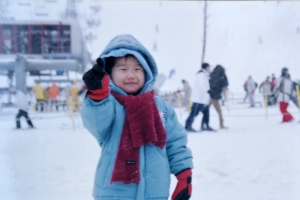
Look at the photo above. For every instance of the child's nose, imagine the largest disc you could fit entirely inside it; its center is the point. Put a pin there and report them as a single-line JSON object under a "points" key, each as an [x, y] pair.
{"points": [[130, 74]]}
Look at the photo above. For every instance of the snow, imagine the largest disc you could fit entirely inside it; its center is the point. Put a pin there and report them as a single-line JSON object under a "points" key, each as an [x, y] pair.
{"points": [[256, 158]]}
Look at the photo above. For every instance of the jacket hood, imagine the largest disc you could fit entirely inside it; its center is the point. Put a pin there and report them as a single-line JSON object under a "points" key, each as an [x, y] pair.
{"points": [[219, 70], [126, 44]]}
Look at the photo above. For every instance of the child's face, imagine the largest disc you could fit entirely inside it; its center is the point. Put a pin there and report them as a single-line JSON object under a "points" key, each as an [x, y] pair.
{"points": [[128, 74]]}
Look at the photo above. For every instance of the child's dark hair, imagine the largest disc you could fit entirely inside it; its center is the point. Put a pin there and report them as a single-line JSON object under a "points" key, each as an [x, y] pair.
{"points": [[111, 61]]}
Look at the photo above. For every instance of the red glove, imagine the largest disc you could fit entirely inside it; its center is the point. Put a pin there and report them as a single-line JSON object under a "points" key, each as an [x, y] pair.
{"points": [[97, 81], [102, 93], [183, 190]]}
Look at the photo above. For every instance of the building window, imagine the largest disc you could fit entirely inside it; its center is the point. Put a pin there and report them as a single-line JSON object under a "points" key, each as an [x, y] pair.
{"points": [[35, 39]]}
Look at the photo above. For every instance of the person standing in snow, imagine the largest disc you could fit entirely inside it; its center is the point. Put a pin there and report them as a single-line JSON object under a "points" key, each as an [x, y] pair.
{"points": [[273, 83], [250, 88], [284, 89], [141, 138], [22, 105], [40, 96], [200, 99], [74, 93], [217, 82], [266, 89], [187, 93], [53, 92]]}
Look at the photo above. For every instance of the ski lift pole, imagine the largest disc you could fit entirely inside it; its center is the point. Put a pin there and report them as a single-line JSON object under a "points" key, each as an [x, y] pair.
{"points": [[266, 105]]}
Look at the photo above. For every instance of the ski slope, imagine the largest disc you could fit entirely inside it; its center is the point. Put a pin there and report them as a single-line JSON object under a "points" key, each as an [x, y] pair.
{"points": [[256, 158]]}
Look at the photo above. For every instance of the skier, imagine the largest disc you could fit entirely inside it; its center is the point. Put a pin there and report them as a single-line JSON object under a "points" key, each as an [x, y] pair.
{"points": [[250, 86], [141, 139], [266, 89], [217, 82], [284, 90], [200, 99], [22, 105]]}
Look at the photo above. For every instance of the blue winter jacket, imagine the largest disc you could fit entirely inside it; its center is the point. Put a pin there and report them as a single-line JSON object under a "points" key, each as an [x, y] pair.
{"points": [[105, 119]]}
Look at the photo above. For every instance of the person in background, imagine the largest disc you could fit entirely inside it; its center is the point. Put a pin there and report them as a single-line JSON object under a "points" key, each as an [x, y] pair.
{"points": [[22, 105], [40, 97], [74, 91], [187, 93], [284, 89], [200, 99], [250, 88], [218, 81], [273, 83], [266, 89], [53, 93]]}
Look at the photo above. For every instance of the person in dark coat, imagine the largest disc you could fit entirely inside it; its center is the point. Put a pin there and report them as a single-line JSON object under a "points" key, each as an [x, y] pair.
{"points": [[218, 81]]}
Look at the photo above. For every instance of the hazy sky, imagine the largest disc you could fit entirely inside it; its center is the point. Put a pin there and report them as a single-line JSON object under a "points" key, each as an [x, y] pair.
{"points": [[247, 37]]}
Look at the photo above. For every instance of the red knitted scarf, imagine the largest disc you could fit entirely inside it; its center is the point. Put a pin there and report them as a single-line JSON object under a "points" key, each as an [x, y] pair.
{"points": [[142, 125]]}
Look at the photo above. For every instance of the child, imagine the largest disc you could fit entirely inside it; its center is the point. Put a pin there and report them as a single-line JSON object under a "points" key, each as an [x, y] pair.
{"points": [[141, 139]]}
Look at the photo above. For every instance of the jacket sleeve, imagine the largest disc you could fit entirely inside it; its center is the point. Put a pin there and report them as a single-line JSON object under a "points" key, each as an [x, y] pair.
{"points": [[98, 116], [179, 155]]}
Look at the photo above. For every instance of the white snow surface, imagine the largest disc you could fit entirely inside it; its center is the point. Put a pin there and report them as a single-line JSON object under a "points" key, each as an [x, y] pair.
{"points": [[255, 159]]}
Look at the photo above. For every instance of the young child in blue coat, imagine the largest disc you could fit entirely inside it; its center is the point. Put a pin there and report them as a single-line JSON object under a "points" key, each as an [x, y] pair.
{"points": [[141, 140]]}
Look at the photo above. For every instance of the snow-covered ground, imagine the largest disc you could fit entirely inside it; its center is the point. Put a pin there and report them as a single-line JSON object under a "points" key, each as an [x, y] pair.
{"points": [[255, 159]]}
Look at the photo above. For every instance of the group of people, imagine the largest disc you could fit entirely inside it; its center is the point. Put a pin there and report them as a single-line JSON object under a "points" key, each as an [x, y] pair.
{"points": [[267, 88], [207, 90], [281, 91], [56, 97], [48, 98]]}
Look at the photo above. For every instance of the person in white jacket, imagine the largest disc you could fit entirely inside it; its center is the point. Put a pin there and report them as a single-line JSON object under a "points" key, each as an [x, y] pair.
{"points": [[200, 99], [22, 105], [284, 87]]}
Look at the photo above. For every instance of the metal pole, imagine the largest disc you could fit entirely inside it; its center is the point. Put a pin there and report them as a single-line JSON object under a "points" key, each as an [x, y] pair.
{"points": [[20, 72]]}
